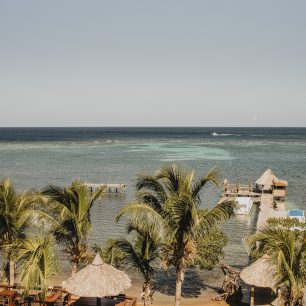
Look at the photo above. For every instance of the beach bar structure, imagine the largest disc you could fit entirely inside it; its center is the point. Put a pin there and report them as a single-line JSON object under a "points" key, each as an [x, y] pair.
{"points": [[269, 183], [109, 188]]}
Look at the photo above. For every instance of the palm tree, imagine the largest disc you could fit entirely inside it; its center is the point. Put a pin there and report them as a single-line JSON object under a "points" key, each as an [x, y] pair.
{"points": [[141, 255], [15, 214], [38, 262], [74, 223], [169, 201], [287, 249]]}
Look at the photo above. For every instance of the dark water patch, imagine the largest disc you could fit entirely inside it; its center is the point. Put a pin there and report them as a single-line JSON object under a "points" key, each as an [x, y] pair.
{"points": [[113, 134]]}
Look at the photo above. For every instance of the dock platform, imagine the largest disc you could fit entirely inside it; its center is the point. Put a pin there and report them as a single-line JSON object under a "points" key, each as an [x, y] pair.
{"points": [[109, 188], [267, 211], [266, 205]]}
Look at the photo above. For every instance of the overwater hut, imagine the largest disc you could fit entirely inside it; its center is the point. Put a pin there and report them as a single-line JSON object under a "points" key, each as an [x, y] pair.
{"points": [[269, 183]]}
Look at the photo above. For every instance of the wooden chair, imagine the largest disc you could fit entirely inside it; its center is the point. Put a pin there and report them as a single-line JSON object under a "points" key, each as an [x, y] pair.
{"points": [[63, 300], [3, 301], [19, 300]]}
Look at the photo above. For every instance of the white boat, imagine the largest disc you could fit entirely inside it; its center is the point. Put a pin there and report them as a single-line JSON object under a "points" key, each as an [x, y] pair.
{"points": [[214, 134], [244, 205]]}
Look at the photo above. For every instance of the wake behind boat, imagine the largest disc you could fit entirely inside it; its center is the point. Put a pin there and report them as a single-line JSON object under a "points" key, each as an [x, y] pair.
{"points": [[223, 134]]}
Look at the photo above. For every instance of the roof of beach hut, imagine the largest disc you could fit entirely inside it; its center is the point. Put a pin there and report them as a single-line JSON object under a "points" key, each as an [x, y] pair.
{"points": [[260, 273], [267, 178], [98, 279], [280, 183]]}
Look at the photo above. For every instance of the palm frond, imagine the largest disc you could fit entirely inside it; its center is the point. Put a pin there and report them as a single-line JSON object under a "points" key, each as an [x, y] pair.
{"points": [[287, 250], [142, 215], [151, 200], [38, 262], [211, 177], [73, 204], [58, 194], [171, 176], [153, 184], [216, 215]]}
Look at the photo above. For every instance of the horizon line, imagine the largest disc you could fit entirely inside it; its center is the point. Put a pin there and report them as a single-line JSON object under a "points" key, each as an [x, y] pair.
{"points": [[143, 126]]}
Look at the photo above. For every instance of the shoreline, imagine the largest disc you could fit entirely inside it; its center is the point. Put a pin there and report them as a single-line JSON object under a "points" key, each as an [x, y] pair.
{"points": [[198, 289]]}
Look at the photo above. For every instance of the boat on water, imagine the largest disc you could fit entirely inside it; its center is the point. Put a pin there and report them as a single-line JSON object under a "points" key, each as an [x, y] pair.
{"points": [[244, 205], [214, 134]]}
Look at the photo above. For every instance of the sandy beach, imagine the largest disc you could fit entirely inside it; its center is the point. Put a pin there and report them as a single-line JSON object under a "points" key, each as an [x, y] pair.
{"points": [[164, 300], [197, 292]]}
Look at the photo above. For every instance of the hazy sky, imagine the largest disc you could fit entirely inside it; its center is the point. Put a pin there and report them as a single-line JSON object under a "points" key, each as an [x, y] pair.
{"points": [[153, 63]]}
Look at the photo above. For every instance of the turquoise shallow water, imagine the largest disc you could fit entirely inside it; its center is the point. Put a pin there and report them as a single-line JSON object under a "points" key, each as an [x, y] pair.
{"points": [[118, 157]]}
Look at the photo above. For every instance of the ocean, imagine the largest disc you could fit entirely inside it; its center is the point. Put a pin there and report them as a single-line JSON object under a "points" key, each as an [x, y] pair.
{"points": [[36, 157]]}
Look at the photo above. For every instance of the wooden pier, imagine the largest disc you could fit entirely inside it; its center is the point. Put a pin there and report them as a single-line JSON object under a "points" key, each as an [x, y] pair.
{"points": [[267, 210], [238, 190], [108, 188], [267, 189]]}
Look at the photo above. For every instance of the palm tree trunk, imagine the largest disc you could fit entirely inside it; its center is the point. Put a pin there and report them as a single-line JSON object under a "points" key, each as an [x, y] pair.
{"points": [[74, 269], [11, 272], [147, 294], [180, 274]]}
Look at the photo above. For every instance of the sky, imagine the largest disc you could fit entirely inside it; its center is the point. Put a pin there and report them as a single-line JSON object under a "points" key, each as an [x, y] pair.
{"points": [[153, 63]]}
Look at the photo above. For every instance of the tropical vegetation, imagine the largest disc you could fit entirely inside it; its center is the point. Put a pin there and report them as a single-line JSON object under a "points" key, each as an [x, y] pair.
{"points": [[287, 250], [287, 223], [72, 224], [38, 262], [169, 225], [140, 253], [169, 203], [15, 217]]}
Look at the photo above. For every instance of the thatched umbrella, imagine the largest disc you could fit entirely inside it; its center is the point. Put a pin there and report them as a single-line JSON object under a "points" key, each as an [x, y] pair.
{"points": [[259, 274], [98, 279]]}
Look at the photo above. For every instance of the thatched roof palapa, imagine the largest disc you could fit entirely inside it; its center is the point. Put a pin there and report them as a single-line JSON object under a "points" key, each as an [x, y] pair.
{"points": [[260, 273], [280, 183], [268, 178], [98, 279]]}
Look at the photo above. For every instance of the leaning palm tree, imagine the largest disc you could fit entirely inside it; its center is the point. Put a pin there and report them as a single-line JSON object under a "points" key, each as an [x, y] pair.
{"points": [[38, 262], [15, 216], [287, 249], [169, 201], [74, 225], [141, 255]]}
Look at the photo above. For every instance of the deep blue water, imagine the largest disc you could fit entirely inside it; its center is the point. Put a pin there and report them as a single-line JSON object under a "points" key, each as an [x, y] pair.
{"points": [[130, 133]]}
